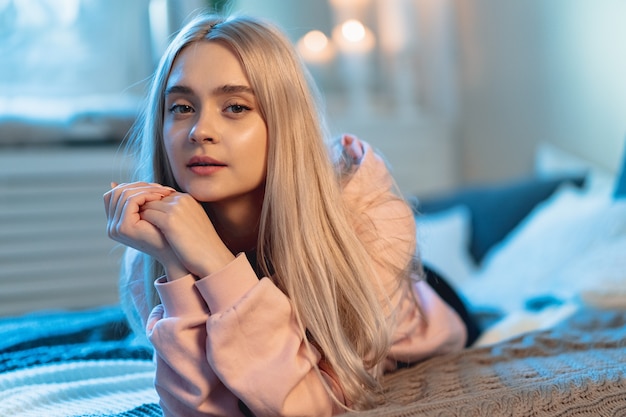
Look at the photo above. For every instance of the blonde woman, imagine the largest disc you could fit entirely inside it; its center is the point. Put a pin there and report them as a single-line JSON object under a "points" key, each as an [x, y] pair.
{"points": [[285, 279]]}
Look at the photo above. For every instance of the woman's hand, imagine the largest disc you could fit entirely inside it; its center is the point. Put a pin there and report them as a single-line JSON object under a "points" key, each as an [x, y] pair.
{"points": [[189, 232], [123, 205]]}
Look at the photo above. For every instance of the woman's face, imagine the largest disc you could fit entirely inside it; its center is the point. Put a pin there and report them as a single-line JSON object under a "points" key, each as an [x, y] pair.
{"points": [[214, 135]]}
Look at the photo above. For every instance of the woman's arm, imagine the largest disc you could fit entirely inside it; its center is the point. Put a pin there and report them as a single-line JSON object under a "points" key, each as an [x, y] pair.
{"points": [[424, 325], [226, 337], [248, 347], [184, 380]]}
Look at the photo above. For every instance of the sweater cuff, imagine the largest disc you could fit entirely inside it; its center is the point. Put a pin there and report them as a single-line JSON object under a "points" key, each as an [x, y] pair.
{"points": [[180, 297], [222, 289]]}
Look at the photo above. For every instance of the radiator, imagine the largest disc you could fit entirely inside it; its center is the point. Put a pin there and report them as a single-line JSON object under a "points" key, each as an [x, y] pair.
{"points": [[54, 250]]}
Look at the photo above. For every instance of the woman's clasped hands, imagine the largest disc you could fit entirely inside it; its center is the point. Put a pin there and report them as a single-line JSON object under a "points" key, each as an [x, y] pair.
{"points": [[168, 225]]}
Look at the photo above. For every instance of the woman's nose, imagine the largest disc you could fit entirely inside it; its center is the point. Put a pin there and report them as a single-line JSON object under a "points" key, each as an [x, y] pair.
{"points": [[203, 131]]}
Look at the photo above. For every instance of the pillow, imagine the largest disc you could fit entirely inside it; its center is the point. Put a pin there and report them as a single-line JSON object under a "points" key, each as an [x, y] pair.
{"points": [[551, 160], [497, 208], [601, 273], [528, 263], [443, 242], [554, 162]]}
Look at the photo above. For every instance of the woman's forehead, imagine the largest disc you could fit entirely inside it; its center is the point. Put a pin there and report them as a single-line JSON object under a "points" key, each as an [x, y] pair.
{"points": [[207, 63]]}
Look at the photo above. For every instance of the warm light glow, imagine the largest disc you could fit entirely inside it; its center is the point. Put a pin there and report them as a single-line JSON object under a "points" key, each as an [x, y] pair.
{"points": [[315, 48], [353, 36], [353, 30], [348, 3], [315, 41]]}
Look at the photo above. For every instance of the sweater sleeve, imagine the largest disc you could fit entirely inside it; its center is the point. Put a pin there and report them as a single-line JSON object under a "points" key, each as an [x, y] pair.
{"points": [[231, 337], [184, 380], [423, 324]]}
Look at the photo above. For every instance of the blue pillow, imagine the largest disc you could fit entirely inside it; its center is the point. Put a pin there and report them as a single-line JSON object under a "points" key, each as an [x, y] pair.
{"points": [[620, 186]]}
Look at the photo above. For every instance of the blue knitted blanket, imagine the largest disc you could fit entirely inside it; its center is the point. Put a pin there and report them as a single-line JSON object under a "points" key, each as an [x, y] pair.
{"points": [[74, 364]]}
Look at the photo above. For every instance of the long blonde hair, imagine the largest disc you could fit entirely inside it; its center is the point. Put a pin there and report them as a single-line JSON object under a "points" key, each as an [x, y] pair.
{"points": [[306, 242]]}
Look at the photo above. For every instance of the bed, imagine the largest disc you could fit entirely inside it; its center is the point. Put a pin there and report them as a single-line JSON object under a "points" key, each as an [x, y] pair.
{"points": [[553, 345], [79, 363], [85, 364], [574, 369]]}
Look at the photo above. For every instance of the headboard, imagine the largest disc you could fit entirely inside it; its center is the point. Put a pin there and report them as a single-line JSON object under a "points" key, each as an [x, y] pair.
{"points": [[620, 184]]}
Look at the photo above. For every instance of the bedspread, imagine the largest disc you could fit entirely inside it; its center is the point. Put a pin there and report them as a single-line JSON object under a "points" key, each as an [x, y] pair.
{"points": [[86, 364], [575, 369], [74, 364]]}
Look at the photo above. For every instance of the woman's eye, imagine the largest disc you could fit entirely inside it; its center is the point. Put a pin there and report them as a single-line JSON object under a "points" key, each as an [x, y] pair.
{"points": [[237, 108], [181, 108]]}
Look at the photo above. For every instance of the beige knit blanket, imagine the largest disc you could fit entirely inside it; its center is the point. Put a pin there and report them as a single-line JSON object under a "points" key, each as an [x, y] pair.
{"points": [[576, 369]]}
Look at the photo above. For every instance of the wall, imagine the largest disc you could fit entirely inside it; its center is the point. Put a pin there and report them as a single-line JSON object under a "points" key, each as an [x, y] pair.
{"points": [[411, 120], [588, 72], [533, 71], [506, 76]]}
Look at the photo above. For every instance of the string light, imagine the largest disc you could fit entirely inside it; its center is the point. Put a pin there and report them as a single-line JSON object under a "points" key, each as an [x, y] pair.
{"points": [[353, 30]]}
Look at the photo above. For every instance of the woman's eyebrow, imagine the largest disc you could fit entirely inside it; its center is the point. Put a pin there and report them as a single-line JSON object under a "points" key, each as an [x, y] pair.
{"points": [[178, 89], [220, 90], [232, 88]]}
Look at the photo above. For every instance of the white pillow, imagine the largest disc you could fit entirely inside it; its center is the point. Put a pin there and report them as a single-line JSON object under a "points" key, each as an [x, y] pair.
{"points": [[529, 261], [551, 161], [520, 322], [443, 241], [601, 272]]}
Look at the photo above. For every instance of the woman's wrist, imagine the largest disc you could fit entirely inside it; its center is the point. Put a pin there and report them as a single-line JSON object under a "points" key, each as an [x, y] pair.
{"points": [[216, 262], [174, 269]]}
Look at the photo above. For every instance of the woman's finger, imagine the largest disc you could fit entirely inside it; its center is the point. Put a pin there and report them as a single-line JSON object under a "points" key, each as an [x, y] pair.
{"points": [[112, 197], [123, 204]]}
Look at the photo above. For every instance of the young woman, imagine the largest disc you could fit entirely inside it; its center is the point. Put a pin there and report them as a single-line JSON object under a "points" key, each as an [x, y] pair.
{"points": [[286, 279]]}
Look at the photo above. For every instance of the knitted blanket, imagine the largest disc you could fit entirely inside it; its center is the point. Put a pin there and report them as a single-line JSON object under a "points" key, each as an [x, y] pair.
{"points": [[74, 364], [575, 369], [85, 364]]}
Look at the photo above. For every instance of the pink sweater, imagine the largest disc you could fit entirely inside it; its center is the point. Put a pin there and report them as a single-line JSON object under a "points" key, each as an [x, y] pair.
{"points": [[230, 336]]}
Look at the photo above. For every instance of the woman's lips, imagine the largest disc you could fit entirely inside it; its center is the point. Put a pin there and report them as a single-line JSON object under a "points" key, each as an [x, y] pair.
{"points": [[204, 165]]}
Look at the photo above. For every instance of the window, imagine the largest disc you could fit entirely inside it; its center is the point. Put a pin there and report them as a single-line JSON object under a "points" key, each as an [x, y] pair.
{"points": [[71, 69]]}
